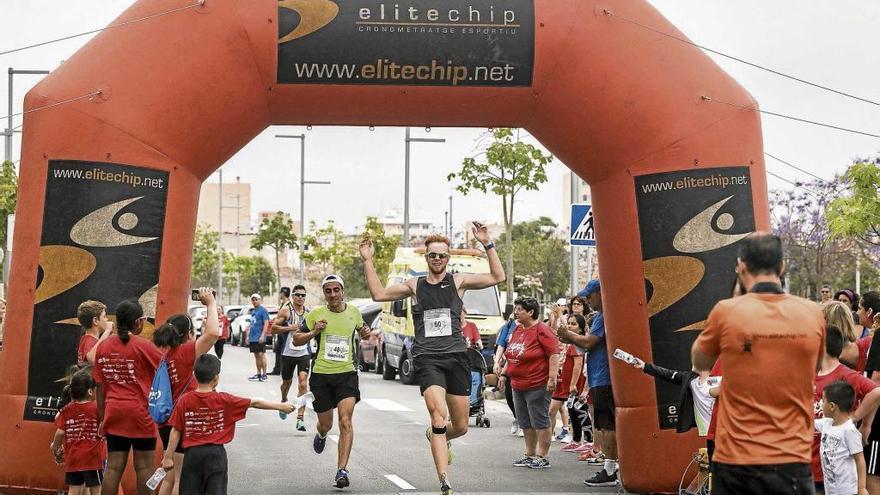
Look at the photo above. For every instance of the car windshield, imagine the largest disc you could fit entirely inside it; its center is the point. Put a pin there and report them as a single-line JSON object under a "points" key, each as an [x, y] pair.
{"points": [[483, 302]]}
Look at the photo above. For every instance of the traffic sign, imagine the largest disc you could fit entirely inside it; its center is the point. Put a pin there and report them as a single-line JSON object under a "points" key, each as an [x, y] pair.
{"points": [[582, 231]]}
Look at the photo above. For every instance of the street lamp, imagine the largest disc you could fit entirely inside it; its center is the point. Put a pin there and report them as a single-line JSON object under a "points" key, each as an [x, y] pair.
{"points": [[302, 198], [406, 181], [7, 133]]}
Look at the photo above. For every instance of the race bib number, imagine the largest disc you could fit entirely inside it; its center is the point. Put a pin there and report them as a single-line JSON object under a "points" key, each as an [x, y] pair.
{"points": [[438, 323], [337, 348]]}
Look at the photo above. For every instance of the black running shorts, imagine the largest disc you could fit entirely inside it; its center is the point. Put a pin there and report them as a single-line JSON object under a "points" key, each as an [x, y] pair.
{"points": [[116, 443], [452, 371], [94, 477], [291, 365], [603, 408], [331, 389], [204, 470], [257, 347]]}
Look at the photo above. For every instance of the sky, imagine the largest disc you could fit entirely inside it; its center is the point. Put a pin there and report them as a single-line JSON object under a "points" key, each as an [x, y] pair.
{"points": [[832, 44]]}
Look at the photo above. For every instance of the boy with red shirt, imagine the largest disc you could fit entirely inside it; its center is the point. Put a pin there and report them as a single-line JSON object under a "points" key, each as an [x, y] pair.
{"points": [[867, 392], [204, 420], [92, 317], [77, 440]]}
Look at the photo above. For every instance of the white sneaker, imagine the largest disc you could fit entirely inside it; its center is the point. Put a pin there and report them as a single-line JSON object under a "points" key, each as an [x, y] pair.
{"points": [[520, 433], [514, 426], [566, 439]]}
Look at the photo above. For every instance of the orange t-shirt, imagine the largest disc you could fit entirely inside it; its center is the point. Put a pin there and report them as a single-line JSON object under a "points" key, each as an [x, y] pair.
{"points": [[770, 344]]}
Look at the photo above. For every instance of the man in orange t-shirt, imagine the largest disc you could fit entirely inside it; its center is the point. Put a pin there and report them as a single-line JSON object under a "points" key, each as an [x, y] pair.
{"points": [[771, 344]]}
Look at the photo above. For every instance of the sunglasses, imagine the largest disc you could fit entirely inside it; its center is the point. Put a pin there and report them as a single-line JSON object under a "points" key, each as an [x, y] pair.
{"points": [[435, 256], [296, 294]]}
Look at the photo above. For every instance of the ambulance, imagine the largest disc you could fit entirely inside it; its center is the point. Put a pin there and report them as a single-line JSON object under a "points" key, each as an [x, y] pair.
{"points": [[394, 356]]}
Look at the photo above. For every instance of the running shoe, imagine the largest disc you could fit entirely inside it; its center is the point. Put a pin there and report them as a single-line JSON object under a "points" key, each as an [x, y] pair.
{"points": [[255, 378], [264, 377], [539, 463], [602, 478], [526, 461], [341, 479], [520, 433], [318, 443], [591, 454], [597, 459], [445, 489], [562, 434], [300, 424], [282, 414], [566, 439], [585, 447], [570, 447], [514, 427]]}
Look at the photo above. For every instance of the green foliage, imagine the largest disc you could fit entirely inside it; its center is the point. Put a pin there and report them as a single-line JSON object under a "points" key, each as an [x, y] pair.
{"points": [[205, 257], [256, 274], [8, 196], [328, 247], [506, 167], [857, 214], [276, 233], [384, 247], [540, 258]]}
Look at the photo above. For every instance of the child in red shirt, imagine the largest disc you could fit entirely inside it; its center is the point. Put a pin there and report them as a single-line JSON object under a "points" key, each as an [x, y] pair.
{"points": [[76, 440], [204, 420]]}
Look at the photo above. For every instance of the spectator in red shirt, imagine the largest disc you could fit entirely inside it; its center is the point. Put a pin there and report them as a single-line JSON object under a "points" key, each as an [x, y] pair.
{"points": [[471, 335], [204, 420], [124, 369], [181, 351], [224, 332], [532, 367], [92, 316], [76, 440]]}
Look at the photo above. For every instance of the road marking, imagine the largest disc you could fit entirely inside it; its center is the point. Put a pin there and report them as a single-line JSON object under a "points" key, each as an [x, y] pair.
{"points": [[386, 405], [400, 482], [335, 438]]}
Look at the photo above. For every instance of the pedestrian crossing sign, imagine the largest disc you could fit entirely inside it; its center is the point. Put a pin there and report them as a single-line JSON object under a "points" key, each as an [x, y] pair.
{"points": [[582, 231]]}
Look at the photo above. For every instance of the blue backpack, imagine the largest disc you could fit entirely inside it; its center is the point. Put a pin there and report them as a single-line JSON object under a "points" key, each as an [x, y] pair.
{"points": [[161, 401]]}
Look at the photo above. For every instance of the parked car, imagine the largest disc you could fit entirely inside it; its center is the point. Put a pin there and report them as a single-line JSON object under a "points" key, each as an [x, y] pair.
{"points": [[241, 324], [233, 310], [367, 350], [197, 314]]}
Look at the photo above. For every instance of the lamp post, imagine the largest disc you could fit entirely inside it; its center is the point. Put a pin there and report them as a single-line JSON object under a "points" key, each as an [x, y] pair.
{"points": [[406, 180], [7, 133], [302, 197]]}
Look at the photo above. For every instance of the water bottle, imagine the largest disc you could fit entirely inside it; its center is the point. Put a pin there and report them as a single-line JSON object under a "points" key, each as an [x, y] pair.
{"points": [[155, 479], [625, 356]]}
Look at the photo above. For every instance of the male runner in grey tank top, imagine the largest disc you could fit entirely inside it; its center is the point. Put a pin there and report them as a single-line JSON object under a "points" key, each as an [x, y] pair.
{"points": [[439, 351]]}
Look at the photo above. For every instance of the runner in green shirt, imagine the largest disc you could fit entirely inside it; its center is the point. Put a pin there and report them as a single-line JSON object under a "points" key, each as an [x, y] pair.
{"points": [[334, 380]]}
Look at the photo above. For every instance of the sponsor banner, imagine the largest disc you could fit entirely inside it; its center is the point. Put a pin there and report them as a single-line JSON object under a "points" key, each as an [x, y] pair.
{"points": [[690, 223], [407, 42], [101, 239]]}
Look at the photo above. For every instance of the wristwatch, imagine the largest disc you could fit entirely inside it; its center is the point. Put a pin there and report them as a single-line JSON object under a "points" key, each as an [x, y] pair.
{"points": [[489, 246]]}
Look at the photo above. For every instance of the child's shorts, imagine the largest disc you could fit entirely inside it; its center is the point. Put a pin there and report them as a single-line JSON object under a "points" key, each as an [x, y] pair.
{"points": [[94, 477]]}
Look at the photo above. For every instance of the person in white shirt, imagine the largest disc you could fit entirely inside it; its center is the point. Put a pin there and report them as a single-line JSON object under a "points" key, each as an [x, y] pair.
{"points": [[840, 448]]}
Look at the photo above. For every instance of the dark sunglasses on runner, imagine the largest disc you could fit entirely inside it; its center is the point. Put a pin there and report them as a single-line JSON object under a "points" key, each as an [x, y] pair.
{"points": [[435, 256], [299, 294]]}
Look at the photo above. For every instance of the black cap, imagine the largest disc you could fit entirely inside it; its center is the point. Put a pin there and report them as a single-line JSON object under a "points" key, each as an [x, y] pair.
{"points": [[285, 291]]}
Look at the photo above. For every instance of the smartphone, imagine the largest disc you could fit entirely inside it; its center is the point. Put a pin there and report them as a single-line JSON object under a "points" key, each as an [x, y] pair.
{"points": [[195, 294]]}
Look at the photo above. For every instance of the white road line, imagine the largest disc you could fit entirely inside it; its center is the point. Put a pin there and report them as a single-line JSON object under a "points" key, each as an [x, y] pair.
{"points": [[335, 438], [386, 405], [400, 482]]}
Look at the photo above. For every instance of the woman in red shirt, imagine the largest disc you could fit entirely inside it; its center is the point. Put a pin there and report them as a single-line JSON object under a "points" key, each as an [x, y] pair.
{"points": [[572, 383], [124, 369], [224, 332], [532, 368], [177, 339]]}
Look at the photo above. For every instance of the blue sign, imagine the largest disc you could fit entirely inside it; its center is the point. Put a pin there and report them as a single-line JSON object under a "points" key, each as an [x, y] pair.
{"points": [[582, 231]]}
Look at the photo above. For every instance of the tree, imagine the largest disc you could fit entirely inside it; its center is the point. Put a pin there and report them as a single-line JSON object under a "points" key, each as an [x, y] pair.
{"points": [[327, 246], [856, 214], [205, 257], [8, 197], [540, 258], [256, 273], [505, 168], [276, 233], [385, 247], [813, 257]]}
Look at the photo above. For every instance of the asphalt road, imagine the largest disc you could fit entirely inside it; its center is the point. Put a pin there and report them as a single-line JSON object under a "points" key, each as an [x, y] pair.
{"points": [[390, 453]]}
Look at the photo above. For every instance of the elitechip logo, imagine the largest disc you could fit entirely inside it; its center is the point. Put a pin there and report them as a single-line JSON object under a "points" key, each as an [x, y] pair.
{"points": [[313, 15]]}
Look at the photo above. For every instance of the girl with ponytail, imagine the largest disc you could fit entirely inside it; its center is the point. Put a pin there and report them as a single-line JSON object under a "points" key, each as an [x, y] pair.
{"points": [[177, 339], [124, 367], [77, 443]]}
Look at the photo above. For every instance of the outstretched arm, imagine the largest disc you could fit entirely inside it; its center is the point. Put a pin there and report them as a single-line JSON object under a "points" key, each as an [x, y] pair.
{"points": [[286, 407], [379, 292], [211, 333], [466, 281]]}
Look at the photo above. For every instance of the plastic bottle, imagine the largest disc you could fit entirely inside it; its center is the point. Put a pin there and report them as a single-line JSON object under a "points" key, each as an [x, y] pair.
{"points": [[155, 479]]}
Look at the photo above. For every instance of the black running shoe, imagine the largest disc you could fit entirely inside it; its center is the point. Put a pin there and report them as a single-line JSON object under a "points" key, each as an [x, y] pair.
{"points": [[341, 478], [602, 478]]}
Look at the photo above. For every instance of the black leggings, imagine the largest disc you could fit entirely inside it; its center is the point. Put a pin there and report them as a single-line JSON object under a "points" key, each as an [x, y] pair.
{"points": [[218, 348], [508, 395], [577, 423]]}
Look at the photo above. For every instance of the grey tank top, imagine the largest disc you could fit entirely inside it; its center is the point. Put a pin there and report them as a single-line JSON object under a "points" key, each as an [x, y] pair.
{"points": [[437, 318], [291, 350]]}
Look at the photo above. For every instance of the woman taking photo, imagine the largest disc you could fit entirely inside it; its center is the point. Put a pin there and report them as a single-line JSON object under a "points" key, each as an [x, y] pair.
{"points": [[124, 369], [571, 385], [532, 366], [177, 339]]}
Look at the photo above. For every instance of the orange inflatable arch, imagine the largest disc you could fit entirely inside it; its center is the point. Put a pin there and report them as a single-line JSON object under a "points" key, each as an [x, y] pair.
{"points": [[110, 184]]}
